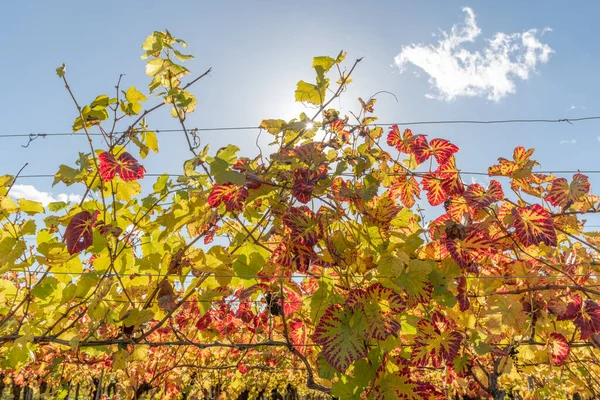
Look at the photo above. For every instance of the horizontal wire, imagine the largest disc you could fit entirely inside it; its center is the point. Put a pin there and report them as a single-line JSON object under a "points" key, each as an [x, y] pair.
{"points": [[406, 123], [173, 175], [142, 275]]}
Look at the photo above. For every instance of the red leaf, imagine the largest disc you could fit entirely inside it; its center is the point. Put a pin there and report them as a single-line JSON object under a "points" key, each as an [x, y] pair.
{"points": [[292, 302], [421, 149], [562, 194], [437, 340], [403, 144], [304, 225], [310, 153], [462, 296], [559, 348], [126, 166], [305, 180], [298, 334], [436, 194], [129, 169], [108, 166], [586, 316], [468, 251], [406, 188], [451, 181], [204, 322], [79, 232], [478, 197], [243, 368], [381, 210], [442, 150], [232, 195], [534, 225]]}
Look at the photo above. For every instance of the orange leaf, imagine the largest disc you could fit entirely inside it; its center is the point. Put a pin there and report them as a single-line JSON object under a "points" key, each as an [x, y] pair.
{"points": [[436, 194]]}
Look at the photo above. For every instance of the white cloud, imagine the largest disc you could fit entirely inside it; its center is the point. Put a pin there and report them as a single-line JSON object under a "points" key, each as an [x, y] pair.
{"points": [[455, 71], [572, 141], [573, 107], [31, 193]]}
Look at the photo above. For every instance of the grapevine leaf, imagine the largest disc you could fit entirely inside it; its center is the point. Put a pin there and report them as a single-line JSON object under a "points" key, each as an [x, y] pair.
{"points": [[437, 340], [559, 348], [405, 143], [414, 280], [436, 194], [478, 197], [440, 149], [231, 195], [341, 331], [379, 305], [563, 194], [534, 225], [126, 166], [407, 188], [79, 232]]}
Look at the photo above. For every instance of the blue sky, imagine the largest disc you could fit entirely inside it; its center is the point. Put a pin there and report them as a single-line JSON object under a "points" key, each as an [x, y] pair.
{"points": [[259, 49]]}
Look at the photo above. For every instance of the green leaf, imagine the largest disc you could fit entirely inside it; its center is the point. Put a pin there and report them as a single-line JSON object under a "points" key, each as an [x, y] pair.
{"points": [[324, 369], [153, 44], [273, 126], [60, 71], [8, 205], [341, 332], [30, 207], [57, 206], [324, 62], [181, 56], [137, 317], [251, 259], [45, 288], [10, 250], [161, 183], [101, 102], [28, 228], [153, 67], [220, 166], [134, 96], [415, 280], [309, 93]]}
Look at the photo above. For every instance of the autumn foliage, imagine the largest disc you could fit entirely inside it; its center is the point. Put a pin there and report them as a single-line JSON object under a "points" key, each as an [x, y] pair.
{"points": [[350, 259]]}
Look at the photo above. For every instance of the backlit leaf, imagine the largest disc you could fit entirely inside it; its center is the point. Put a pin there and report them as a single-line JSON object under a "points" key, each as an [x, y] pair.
{"points": [[126, 166], [231, 195], [380, 306], [437, 340], [534, 225], [559, 348], [340, 332], [432, 184], [79, 232], [563, 194], [478, 197], [407, 188]]}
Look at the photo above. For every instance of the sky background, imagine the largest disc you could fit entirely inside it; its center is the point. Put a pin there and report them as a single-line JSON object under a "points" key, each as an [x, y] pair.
{"points": [[481, 63]]}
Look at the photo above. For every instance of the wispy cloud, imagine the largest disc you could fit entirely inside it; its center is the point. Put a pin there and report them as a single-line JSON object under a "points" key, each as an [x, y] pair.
{"points": [[455, 71], [573, 107], [572, 141], [31, 193]]}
